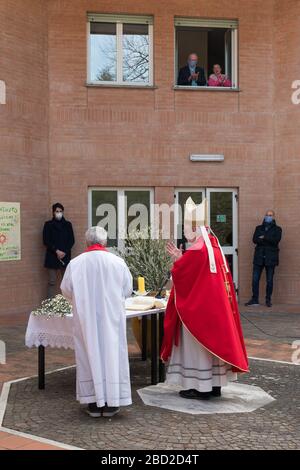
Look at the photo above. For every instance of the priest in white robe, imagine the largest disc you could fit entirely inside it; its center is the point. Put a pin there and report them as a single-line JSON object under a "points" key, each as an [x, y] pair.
{"points": [[97, 283]]}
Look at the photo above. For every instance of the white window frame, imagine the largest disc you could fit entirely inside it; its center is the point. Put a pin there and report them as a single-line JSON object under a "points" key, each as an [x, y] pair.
{"points": [[121, 215], [211, 23], [119, 20]]}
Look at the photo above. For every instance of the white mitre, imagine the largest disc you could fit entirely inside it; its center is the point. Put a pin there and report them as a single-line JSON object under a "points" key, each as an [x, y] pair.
{"points": [[195, 222], [195, 214]]}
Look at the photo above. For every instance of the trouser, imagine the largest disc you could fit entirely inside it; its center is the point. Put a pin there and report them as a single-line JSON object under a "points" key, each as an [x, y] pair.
{"points": [[53, 275], [257, 270]]}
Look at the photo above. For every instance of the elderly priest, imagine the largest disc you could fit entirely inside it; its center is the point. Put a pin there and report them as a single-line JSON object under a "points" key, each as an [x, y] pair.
{"points": [[97, 283]]}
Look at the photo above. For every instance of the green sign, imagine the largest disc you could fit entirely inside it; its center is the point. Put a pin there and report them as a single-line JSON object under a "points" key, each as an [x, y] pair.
{"points": [[221, 218]]}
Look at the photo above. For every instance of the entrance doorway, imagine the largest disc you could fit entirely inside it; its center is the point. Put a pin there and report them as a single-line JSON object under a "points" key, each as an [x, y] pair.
{"points": [[222, 218]]}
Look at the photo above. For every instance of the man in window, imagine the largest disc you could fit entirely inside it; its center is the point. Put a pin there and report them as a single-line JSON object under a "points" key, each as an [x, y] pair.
{"points": [[191, 74]]}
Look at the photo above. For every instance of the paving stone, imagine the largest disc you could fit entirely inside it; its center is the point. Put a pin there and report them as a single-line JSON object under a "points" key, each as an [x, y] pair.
{"points": [[53, 413]]}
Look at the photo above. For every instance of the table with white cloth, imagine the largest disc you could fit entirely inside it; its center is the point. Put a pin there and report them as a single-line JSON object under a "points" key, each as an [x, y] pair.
{"points": [[57, 332]]}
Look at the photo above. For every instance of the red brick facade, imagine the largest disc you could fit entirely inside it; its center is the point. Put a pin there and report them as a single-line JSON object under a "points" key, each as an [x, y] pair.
{"points": [[58, 136]]}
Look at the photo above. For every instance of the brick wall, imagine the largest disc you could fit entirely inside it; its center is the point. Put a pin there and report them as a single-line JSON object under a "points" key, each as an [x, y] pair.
{"points": [[123, 137], [116, 137], [23, 145], [287, 144]]}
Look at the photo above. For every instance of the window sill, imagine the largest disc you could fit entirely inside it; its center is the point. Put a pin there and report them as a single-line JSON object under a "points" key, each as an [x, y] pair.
{"points": [[129, 87], [207, 88]]}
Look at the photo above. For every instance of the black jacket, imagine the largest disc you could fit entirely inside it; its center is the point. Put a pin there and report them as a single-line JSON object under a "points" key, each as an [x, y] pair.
{"points": [[184, 74], [266, 250], [57, 235]]}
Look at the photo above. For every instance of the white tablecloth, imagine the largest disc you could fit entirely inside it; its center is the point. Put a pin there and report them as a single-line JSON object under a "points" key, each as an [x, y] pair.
{"points": [[57, 332]]}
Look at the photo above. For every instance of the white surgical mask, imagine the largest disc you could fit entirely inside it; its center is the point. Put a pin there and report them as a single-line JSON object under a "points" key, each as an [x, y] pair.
{"points": [[58, 215]]}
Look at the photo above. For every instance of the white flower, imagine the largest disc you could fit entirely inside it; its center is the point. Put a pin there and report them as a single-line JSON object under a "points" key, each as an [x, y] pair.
{"points": [[57, 306]]}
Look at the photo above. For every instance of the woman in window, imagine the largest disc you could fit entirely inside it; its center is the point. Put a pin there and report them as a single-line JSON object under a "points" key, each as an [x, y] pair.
{"points": [[218, 78]]}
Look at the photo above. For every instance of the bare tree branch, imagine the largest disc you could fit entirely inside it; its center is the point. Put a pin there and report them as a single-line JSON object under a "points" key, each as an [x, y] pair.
{"points": [[135, 59]]}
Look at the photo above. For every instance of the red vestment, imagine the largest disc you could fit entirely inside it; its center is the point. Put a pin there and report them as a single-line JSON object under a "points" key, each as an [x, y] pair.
{"points": [[95, 247], [205, 303]]}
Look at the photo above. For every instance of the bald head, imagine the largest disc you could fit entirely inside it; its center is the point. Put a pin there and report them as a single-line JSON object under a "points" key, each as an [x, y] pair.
{"points": [[270, 213], [193, 57]]}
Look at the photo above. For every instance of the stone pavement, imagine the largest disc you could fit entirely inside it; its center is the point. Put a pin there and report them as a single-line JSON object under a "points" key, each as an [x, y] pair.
{"points": [[54, 414], [22, 362], [279, 331]]}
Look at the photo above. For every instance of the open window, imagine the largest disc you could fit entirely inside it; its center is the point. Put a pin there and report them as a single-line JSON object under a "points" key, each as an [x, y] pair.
{"points": [[120, 49], [214, 42]]}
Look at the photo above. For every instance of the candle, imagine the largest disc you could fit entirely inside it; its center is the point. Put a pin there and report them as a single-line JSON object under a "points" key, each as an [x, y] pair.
{"points": [[141, 284]]}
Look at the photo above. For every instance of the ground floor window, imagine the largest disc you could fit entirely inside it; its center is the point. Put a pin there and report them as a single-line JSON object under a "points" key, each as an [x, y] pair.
{"points": [[119, 211], [123, 210]]}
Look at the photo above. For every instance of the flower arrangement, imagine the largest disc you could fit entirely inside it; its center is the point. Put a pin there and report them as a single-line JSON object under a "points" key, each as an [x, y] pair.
{"points": [[147, 257], [57, 306]]}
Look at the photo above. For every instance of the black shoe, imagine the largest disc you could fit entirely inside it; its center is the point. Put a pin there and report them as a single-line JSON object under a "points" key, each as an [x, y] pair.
{"points": [[268, 303], [216, 392], [110, 411], [251, 302], [94, 411], [194, 394]]}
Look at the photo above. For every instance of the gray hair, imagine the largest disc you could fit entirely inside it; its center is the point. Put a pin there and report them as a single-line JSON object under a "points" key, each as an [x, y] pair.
{"points": [[96, 235]]}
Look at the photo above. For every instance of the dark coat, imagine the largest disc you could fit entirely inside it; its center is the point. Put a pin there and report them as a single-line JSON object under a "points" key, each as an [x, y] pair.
{"points": [[58, 235], [266, 250], [184, 74]]}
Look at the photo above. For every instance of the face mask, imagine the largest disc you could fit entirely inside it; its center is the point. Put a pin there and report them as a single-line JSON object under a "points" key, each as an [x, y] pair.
{"points": [[58, 215], [268, 219], [192, 63]]}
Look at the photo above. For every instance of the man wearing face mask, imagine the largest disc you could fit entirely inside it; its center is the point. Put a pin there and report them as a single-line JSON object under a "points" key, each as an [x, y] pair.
{"points": [[266, 237], [58, 237], [191, 74]]}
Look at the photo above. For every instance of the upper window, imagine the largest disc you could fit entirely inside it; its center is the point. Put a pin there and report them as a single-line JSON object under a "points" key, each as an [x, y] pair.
{"points": [[206, 53], [120, 49]]}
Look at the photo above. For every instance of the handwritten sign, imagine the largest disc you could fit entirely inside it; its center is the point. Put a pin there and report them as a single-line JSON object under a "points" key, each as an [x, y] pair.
{"points": [[10, 232]]}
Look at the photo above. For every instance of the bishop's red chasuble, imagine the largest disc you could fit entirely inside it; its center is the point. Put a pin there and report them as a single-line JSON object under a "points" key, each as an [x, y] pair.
{"points": [[205, 302]]}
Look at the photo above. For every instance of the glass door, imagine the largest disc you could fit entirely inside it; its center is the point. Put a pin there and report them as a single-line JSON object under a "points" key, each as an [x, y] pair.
{"points": [[222, 218]]}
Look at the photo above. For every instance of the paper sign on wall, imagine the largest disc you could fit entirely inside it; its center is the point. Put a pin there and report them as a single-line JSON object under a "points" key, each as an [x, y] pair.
{"points": [[10, 231]]}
